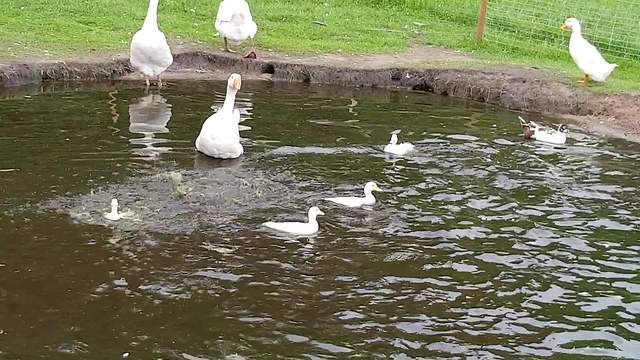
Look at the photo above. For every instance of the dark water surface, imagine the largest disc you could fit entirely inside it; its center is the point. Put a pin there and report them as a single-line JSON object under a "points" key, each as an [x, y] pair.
{"points": [[481, 247]]}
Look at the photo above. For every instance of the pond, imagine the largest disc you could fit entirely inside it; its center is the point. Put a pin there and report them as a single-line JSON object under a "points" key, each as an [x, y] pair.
{"points": [[482, 245]]}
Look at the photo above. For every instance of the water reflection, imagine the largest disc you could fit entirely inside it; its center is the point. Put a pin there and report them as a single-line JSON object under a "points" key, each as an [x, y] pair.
{"points": [[481, 247], [149, 116]]}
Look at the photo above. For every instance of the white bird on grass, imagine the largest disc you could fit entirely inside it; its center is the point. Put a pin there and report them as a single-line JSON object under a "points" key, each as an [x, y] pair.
{"points": [[150, 53], [397, 149], [298, 228], [354, 201], [234, 22], [220, 134], [585, 55]]}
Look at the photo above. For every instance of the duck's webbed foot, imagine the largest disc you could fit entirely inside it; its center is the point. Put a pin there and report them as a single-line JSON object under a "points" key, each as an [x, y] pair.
{"points": [[226, 46]]}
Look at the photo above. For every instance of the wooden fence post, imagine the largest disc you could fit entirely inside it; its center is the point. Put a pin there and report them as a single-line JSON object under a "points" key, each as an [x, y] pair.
{"points": [[482, 19]]}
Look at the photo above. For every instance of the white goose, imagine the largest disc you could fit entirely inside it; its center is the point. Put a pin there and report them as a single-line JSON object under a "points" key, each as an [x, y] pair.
{"points": [[234, 22], [354, 201], [298, 228], [114, 215], [585, 55], [150, 53], [220, 134], [397, 149]]}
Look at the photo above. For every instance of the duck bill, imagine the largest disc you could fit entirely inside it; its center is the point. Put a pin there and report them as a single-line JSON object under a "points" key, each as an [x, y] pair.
{"points": [[237, 83], [320, 213], [564, 27]]}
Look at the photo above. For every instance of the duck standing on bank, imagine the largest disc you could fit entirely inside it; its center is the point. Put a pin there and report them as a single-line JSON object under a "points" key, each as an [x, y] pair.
{"points": [[234, 22], [150, 54], [585, 55], [220, 133], [532, 130]]}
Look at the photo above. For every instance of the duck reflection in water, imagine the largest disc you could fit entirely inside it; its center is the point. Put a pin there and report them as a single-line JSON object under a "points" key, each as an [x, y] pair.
{"points": [[149, 115]]}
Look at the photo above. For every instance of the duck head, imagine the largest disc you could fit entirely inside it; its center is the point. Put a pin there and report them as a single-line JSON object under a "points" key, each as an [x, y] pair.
{"points": [[370, 187], [235, 82], [314, 211], [571, 24]]}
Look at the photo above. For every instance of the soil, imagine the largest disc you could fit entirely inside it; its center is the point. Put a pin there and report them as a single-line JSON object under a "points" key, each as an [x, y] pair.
{"points": [[430, 69]]}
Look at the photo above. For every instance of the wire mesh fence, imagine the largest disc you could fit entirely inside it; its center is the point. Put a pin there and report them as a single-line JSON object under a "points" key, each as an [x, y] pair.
{"points": [[613, 26]]}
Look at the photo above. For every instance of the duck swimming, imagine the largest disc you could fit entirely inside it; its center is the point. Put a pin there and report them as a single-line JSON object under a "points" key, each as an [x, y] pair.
{"points": [[397, 149], [298, 228], [532, 130], [220, 134], [150, 54], [354, 201], [585, 55], [234, 22], [113, 215]]}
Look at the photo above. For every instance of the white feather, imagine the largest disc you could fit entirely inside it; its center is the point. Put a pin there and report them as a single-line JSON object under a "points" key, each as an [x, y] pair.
{"points": [[234, 21], [150, 54], [220, 134], [298, 228]]}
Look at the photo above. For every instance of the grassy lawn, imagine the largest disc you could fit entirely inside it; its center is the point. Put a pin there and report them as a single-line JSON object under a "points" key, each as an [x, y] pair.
{"points": [[54, 28]]}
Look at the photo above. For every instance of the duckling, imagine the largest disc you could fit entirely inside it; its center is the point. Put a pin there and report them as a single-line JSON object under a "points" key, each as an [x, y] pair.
{"points": [[113, 215]]}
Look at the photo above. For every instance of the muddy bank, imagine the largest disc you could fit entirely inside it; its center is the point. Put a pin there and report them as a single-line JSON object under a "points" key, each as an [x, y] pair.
{"points": [[515, 88]]}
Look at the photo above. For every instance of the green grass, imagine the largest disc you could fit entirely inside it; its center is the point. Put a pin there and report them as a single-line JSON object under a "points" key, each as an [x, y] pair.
{"points": [[56, 28]]}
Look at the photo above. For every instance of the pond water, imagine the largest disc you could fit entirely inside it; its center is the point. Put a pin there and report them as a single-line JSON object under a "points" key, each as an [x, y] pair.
{"points": [[481, 245]]}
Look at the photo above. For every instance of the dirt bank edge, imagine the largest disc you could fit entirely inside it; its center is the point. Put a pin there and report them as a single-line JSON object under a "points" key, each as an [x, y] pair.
{"points": [[516, 89]]}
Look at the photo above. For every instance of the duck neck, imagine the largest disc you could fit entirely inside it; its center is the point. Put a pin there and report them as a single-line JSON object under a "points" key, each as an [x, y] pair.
{"points": [[114, 208], [576, 31], [151, 21], [229, 100], [312, 219], [368, 195]]}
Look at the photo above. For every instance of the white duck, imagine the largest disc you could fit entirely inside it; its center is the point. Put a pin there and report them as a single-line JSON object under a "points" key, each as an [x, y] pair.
{"points": [[354, 201], [397, 149], [234, 22], [150, 53], [113, 215], [220, 134], [533, 130], [585, 55], [298, 228]]}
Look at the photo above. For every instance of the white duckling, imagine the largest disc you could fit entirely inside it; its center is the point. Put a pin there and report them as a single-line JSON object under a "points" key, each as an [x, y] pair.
{"points": [[220, 134], [298, 228], [150, 53], [354, 201], [114, 215], [585, 55], [532, 130], [234, 22], [397, 149]]}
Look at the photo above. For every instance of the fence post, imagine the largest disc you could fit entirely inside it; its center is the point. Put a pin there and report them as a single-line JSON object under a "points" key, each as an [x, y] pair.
{"points": [[482, 19]]}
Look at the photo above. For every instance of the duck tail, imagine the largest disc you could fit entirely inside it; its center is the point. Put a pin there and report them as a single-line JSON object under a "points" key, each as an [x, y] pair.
{"points": [[604, 74]]}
